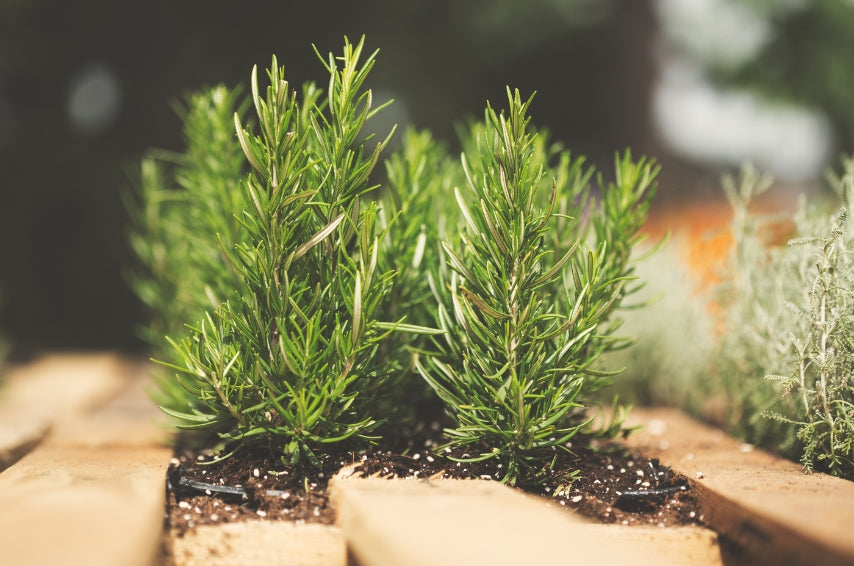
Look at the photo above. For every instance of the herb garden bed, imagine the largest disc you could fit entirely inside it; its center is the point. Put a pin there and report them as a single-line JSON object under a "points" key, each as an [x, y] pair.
{"points": [[612, 484], [93, 484]]}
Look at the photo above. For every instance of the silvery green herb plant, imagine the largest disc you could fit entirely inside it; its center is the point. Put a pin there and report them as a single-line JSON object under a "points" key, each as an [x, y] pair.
{"points": [[751, 295], [526, 293], [819, 384], [785, 359]]}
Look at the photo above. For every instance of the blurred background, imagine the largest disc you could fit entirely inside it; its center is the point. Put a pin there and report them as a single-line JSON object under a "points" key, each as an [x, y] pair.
{"points": [[87, 87]]}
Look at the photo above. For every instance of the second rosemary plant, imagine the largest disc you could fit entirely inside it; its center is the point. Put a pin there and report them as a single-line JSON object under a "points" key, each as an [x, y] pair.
{"points": [[527, 292]]}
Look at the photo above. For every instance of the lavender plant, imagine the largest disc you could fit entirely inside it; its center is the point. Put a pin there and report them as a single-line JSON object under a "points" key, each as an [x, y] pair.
{"points": [[756, 285], [818, 390], [783, 366]]}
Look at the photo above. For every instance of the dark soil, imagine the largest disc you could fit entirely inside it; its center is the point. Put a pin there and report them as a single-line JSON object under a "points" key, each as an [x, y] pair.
{"points": [[612, 486]]}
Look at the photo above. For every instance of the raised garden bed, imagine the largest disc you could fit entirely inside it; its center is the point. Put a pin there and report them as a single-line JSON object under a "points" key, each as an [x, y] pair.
{"points": [[92, 482], [608, 484]]}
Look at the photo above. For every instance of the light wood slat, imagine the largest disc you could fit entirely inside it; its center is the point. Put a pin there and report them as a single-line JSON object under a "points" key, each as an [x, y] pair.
{"points": [[92, 493], [259, 543], [412, 522], [765, 508], [129, 419], [33, 396], [87, 507], [669, 546]]}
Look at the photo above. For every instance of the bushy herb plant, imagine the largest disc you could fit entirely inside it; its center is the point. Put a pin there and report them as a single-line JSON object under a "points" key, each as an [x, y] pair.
{"points": [[414, 206], [754, 288], [527, 291], [771, 360], [287, 258], [185, 215], [793, 315]]}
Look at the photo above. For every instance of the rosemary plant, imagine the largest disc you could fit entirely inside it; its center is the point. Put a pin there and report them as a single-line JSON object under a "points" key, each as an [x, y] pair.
{"points": [[415, 212], [525, 312], [287, 348], [185, 208]]}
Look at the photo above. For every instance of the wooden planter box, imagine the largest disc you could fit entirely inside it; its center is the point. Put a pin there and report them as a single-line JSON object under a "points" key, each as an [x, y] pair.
{"points": [[83, 468]]}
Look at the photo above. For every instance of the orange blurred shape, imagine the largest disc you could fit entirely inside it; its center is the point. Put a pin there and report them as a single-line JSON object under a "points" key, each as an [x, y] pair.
{"points": [[702, 228], [703, 231]]}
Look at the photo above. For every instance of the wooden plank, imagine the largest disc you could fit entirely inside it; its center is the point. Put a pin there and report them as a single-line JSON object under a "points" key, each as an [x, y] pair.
{"points": [[418, 522], [766, 510], [73, 506], [676, 546], [258, 543], [92, 493], [35, 395], [20, 432], [129, 419]]}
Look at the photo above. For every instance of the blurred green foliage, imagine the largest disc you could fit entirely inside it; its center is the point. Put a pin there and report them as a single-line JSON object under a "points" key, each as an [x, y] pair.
{"points": [[804, 59]]}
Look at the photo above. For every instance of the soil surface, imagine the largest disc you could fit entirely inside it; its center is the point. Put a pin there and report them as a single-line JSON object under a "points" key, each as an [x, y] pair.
{"points": [[612, 485]]}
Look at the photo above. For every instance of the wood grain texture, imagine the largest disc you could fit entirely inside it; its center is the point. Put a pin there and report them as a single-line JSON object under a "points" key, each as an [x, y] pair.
{"points": [[92, 491], [36, 395], [259, 543], [453, 522]]}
